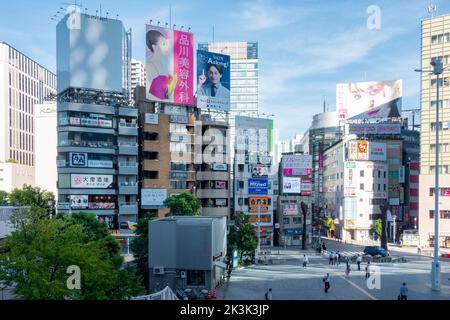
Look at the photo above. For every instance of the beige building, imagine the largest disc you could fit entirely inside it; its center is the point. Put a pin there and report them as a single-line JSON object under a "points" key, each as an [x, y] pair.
{"points": [[435, 45], [23, 84]]}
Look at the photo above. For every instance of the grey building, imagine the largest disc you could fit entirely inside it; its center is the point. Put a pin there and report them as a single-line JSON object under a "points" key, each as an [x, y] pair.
{"points": [[187, 252], [97, 125]]}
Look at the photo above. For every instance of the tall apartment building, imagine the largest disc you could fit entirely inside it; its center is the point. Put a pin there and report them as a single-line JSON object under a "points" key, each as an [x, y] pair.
{"points": [[174, 150], [243, 79], [23, 84], [355, 184], [97, 126], [324, 132], [435, 39], [166, 154], [138, 76], [254, 175]]}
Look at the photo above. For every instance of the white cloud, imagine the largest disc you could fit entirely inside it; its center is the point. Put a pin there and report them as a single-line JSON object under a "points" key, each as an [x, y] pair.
{"points": [[262, 14]]}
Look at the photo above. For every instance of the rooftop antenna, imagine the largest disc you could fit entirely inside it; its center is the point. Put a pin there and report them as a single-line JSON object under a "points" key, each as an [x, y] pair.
{"points": [[174, 26], [107, 14], [324, 104], [432, 8], [117, 16], [213, 34], [189, 29], [159, 23], [170, 14], [167, 24], [151, 21]]}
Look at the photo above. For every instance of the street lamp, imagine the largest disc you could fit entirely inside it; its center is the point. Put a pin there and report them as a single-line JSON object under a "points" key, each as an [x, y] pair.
{"points": [[438, 69]]}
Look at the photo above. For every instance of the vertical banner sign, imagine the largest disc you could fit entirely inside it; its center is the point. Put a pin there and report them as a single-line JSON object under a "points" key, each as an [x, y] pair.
{"points": [[170, 65]]}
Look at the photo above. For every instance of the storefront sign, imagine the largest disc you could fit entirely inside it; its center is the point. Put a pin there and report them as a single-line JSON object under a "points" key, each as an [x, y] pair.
{"points": [[91, 181]]}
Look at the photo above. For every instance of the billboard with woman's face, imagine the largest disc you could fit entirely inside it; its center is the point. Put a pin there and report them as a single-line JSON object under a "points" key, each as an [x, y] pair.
{"points": [[369, 100], [213, 81], [170, 65]]}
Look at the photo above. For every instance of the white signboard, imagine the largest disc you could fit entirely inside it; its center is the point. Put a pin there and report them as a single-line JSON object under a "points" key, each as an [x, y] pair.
{"points": [[401, 174], [301, 161], [153, 197], [94, 181], [219, 167], [100, 164], [291, 185], [151, 118]]}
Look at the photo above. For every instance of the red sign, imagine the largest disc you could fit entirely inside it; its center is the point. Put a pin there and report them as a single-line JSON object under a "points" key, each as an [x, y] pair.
{"points": [[362, 146], [446, 192]]}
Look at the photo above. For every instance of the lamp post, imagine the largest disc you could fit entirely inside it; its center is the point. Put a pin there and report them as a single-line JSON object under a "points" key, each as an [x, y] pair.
{"points": [[438, 69]]}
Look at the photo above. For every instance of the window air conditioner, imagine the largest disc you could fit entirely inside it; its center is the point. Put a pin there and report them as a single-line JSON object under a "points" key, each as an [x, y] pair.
{"points": [[183, 274], [158, 270]]}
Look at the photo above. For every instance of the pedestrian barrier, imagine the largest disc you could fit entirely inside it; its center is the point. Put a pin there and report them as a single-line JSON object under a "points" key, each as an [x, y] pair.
{"points": [[214, 294], [208, 297]]}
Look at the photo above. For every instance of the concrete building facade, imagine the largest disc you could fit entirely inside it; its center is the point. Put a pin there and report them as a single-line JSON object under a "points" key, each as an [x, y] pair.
{"points": [[187, 252], [97, 124], [435, 40], [23, 84]]}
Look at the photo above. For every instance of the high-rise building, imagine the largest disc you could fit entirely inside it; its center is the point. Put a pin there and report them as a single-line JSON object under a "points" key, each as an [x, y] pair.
{"points": [[435, 45], [45, 122], [243, 79], [254, 175], [97, 125], [23, 84], [138, 77]]}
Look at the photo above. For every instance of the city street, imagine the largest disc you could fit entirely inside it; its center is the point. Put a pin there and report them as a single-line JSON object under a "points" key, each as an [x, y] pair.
{"points": [[290, 281]]}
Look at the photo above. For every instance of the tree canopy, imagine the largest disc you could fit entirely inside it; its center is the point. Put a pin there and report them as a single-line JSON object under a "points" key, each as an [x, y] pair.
{"points": [[40, 250], [242, 238], [29, 196], [184, 204]]}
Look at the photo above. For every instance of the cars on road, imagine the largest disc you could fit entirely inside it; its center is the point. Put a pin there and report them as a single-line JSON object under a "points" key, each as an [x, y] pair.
{"points": [[376, 251]]}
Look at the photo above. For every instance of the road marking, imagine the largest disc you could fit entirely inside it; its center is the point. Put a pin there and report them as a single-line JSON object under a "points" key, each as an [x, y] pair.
{"points": [[356, 286]]}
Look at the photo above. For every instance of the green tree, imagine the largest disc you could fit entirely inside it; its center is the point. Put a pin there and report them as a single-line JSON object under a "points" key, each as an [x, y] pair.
{"points": [[242, 238], [139, 247], [40, 250], [378, 227], [185, 204], [28, 196], [3, 198]]}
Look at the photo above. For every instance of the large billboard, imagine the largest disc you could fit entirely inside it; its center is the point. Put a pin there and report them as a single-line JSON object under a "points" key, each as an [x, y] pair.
{"points": [[258, 204], [292, 185], [369, 100], [258, 186], [213, 81], [153, 197], [375, 128], [170, 65], [91, 181], [299, 162]]}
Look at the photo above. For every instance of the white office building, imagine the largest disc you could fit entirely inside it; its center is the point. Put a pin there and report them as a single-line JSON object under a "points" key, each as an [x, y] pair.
{"points": [[23, 84]]}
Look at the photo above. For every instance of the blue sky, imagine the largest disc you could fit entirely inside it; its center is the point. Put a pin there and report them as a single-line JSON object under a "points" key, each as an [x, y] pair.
{"points": [[305, 46]]}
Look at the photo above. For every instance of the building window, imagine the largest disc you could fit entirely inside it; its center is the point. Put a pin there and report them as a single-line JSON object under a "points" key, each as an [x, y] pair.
{"points": [[443, 214], [241, 184], [361, 173], [240, 167], [297, 220], [286, 220], [361, 186], [196, 278]]}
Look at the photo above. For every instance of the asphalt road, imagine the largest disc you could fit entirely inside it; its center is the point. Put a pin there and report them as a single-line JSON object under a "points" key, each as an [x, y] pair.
{"points": [[290, 281]]}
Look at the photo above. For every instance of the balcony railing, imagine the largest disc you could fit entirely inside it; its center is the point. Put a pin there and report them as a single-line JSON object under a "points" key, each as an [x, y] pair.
{"points": [[128, 144], [128, 125], [128, 164], [87, 144], [128, 184]]}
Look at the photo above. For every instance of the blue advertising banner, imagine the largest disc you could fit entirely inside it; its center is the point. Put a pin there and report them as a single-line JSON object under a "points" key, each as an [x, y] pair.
{"points": [[258, 186], [213, 81]]}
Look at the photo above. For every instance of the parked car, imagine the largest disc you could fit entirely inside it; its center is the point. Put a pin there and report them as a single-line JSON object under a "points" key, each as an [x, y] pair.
{"points": [[375, 251], [445, 255]]}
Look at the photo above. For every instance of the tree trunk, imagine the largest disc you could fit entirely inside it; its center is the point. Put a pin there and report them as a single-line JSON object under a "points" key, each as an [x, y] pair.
{"points": [[383, 238]]}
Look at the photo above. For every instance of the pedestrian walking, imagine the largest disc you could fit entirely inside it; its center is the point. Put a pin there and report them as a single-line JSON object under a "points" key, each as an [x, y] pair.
{"points": [[324, 248], [326, 281], [368, 269], [358, 261], [347, 269], [229, 269], [419, 249], [305, 261], [337, 257], [331, 261], [403, 292], [268, 294]]}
